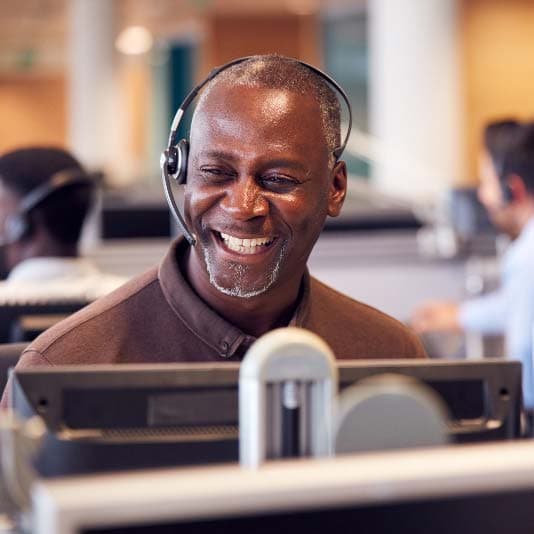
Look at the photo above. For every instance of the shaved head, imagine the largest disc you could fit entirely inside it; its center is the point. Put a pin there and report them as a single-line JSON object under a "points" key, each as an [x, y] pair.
{"points": [[286, 74]]}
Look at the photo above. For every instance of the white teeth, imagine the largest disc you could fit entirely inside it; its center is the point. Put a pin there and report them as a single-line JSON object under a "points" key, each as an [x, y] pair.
{"points": [[244, 246]]}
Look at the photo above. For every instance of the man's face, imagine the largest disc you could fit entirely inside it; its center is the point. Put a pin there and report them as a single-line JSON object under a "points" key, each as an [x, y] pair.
{"points": [[491, 196], [259, 186]]}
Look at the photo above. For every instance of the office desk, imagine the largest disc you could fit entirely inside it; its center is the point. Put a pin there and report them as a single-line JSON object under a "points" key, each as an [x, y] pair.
{"points": [[463, 489]]}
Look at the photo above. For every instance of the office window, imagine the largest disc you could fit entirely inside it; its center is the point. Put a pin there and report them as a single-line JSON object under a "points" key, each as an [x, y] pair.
{"points": [[346, 58]]}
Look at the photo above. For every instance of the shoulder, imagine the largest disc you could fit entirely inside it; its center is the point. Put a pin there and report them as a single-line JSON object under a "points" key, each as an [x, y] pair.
{"points": [[96, 326], [357, 330]]}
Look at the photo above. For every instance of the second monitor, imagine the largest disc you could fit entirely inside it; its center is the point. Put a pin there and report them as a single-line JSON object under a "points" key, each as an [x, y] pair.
{"points": [[103, 418]]}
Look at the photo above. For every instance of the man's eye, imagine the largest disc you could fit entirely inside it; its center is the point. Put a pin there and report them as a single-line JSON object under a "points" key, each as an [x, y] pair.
{"points": [[279, 183], [216, 173]]}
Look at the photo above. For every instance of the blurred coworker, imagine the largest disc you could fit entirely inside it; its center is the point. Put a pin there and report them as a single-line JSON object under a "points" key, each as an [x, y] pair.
{"points": [[45, 196], [507, 192]]}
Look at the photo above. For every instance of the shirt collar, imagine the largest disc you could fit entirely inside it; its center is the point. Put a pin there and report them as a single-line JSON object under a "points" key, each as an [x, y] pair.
{"points": [[205, 323]]}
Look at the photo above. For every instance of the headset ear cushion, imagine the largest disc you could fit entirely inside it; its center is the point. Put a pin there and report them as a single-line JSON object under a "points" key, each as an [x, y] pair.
{"points": [[171, 160], [182, 149]]}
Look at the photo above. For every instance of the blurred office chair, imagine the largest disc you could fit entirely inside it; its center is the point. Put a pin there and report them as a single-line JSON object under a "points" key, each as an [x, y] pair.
{"points": [[23, 321]]}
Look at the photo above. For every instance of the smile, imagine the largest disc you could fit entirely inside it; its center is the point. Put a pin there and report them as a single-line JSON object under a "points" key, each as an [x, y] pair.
{"points": [[254, 245]]}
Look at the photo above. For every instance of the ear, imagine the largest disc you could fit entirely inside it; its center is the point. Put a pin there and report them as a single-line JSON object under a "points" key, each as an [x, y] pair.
{"points": [[338, 188], [517, 187]]}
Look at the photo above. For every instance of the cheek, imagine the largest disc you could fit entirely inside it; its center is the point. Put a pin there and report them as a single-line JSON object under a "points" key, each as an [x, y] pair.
{"points": [[304, 215], [197, 201]]}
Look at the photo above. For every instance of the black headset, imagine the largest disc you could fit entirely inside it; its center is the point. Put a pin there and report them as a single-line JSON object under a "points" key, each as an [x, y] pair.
{"points": [[173, 161], [18, 225]]}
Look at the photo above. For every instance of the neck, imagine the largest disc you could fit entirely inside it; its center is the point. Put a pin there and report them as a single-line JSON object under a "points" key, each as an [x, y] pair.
{"points": [[255, 316]]}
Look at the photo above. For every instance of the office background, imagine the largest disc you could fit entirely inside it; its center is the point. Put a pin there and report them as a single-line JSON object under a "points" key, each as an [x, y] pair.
{"points": [[423, 75], [104, 78]]}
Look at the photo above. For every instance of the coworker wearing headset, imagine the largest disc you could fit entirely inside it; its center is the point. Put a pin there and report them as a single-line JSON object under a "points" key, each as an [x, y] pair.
{"points": [[507, 192], [45, 196], [263, 173]]}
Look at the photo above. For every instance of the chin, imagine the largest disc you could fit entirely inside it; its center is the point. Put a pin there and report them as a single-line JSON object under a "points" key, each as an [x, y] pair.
{"points": [[237, 291], [240, 280], [236, 280]]}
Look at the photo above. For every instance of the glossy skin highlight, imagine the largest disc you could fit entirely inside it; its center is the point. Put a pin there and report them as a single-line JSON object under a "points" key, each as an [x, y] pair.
{"points": [[258, 169]]}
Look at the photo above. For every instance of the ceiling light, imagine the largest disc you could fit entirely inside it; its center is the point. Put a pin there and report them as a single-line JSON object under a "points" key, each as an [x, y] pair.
{"points": [[134, 40]]}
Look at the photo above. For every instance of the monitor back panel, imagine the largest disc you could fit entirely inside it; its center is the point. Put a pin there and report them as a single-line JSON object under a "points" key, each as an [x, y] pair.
{"points": [[184, 414]]}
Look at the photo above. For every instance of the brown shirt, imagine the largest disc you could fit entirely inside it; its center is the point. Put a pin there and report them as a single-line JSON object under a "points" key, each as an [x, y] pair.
{"points": [[157, 317]]}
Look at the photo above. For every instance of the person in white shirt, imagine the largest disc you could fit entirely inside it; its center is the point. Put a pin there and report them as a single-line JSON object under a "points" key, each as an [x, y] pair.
{"points": [[508, 196], [45, 196]]}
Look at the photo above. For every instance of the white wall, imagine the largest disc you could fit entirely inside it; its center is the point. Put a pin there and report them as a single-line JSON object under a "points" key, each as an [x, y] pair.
{"points": [[414, 93]]}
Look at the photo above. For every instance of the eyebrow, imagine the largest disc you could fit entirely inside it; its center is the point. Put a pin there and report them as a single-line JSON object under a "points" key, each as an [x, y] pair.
{"points": [[276, 162], [217, 154]]}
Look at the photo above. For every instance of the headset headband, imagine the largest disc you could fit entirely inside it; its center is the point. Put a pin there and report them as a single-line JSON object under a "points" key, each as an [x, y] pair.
{"points": [[217, 70], [58, 181]]}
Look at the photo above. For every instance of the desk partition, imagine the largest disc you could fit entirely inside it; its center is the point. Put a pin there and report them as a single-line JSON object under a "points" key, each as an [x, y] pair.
{"points": [[466, 489]]}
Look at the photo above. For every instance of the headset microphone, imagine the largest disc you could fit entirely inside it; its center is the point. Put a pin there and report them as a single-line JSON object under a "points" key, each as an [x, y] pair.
{"points": [[173, 161]]}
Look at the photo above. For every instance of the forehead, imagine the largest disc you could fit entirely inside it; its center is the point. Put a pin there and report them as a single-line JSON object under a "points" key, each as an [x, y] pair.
{"points": [[266, 115]]}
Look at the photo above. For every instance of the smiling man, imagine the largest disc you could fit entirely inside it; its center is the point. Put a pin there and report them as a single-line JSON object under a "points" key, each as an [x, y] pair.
{"points": [[262, 176], [262, 180]]}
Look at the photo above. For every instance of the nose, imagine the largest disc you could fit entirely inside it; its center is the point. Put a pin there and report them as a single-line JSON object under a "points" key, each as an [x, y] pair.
{"points": [[245, 200]]}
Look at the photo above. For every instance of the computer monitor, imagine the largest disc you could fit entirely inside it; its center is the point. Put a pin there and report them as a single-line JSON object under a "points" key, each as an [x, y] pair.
{"points": [[483, 397], [486, 488], [134, 217], [110, 417]]}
